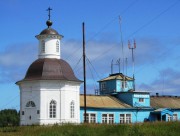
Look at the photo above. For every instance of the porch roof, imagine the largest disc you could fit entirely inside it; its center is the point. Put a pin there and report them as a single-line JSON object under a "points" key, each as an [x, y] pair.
{"points": [[163, 111]]}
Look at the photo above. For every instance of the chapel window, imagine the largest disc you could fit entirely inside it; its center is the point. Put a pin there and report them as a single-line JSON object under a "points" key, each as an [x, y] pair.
{"points": [[72, 115], [52, 109], [30, 104], [57, 46], [43, 47]]}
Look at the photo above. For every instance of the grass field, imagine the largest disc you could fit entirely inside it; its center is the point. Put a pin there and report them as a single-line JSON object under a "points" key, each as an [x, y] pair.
{"points": [[144, 129]]}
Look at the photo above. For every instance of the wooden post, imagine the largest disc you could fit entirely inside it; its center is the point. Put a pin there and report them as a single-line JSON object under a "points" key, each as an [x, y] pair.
{"points": [[84, 69]]}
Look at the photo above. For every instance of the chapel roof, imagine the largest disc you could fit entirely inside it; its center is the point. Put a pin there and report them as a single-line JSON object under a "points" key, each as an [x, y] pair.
{"points": [[50, 69], [48, 31]]}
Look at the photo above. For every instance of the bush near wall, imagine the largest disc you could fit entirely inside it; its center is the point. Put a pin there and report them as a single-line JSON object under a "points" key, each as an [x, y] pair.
{"points": [[9, 117]]}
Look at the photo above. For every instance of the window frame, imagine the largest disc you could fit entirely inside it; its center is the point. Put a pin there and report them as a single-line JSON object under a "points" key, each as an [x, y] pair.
{"points": [[30, 104], [175, 117], [141, 100], [53, 109], [57, 46], [103, 86], [43, 49], [72, 109], [108, 119], [125, 119], [90, 118]]}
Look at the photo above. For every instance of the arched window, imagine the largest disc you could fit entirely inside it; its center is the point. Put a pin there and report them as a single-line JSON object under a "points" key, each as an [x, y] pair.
{"points": [[30, 104], [43, 46], [72, 115], [52, 109], [57, 46]]}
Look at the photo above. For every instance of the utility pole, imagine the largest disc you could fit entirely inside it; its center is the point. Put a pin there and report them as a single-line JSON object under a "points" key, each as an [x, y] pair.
{"points": [[84, 69], [133, 64]]}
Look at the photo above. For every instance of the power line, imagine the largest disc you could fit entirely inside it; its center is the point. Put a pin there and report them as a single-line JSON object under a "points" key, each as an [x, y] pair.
{"points": [[10, 101], [154, 18], [93, 67], [92, 75], [103, 28], [77, 63], [143, 26]]}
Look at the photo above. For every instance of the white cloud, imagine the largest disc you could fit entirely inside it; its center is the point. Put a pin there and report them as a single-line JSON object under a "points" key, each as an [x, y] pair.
{"points": [[15, 60], [168, 82]]}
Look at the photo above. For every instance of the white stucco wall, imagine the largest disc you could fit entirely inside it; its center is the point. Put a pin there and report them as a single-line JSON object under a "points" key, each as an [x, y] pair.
{"points": [[41, 93]]}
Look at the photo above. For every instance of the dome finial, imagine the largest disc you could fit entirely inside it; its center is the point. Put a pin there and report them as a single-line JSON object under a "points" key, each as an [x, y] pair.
{"points": [[49, 22]]}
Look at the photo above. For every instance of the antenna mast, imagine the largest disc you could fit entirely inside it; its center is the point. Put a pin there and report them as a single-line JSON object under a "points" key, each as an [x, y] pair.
{"points": [[122, 53], [133, 64], [122, 46]]}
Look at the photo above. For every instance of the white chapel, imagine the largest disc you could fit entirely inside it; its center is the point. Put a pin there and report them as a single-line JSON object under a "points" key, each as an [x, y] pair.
{"points": [[49, 92]]}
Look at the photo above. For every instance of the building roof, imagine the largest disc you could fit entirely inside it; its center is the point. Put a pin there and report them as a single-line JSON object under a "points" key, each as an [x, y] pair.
{"points": [[165, 102], [99, 101], [119, 76], [50, 69]]}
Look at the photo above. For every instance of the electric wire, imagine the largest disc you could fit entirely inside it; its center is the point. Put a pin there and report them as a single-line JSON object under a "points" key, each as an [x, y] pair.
{"points": [[95, 86], [103, 28]]}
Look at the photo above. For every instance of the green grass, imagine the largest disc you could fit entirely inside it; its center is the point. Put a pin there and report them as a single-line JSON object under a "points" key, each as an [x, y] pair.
{"points": [[142, 129]]}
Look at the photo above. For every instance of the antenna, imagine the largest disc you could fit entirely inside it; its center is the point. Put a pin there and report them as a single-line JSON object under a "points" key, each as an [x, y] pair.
{"points": [[122, 52], [132, 49], [126, 65], [117, 63], [122, 46], [112, 66]]}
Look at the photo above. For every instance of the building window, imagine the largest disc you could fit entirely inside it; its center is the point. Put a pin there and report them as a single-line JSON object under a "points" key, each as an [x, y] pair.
{"points": [[87, 117], [108, 118], [43, 47], [125, 118], [72, 109], [57, 46], [103, 86], [104, 118], [90, 117], [175, 117], [22, 113], [168, 117], [52, 109], [141, 99], [111, 118], [30, 104], [122, 118], [128, 118], [38, 112], [124, 84]]}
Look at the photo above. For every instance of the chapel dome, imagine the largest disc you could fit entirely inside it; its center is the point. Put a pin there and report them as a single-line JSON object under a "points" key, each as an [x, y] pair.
{"points": [[50, 69], [48, 31]]}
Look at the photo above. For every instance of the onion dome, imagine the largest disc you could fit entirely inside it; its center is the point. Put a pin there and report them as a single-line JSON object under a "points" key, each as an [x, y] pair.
{"points": [[50, 69]]}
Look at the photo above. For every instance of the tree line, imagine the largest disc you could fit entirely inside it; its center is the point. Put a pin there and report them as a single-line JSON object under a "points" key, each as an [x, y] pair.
{"points": [[9, 117]]}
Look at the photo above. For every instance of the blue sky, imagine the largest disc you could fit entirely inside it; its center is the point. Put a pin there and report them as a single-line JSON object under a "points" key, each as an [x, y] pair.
{"points": [[154, 24]]}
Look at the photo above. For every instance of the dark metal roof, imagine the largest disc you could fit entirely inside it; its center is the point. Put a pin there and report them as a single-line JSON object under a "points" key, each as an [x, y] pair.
{"points": [[50, 69], [49, 31]]}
